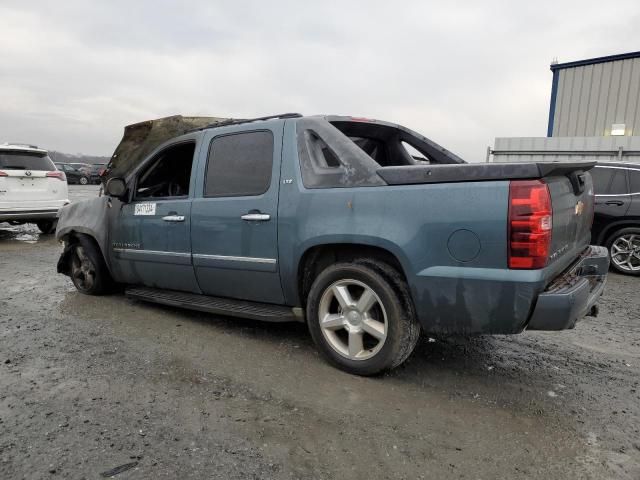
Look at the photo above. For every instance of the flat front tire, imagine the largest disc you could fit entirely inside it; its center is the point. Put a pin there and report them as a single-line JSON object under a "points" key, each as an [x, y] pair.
{"points": [[361, 317], [88, 271]]}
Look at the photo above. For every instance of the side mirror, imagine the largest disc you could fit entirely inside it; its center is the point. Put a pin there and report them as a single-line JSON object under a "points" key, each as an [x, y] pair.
{"points": [[116, 187]]}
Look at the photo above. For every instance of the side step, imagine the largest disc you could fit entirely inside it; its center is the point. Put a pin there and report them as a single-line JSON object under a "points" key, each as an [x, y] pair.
{"points": [[220, 306]]}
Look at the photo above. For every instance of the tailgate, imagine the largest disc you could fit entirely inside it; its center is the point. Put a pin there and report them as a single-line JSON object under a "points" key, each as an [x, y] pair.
{"points": [[572, 201], [26, 187]]}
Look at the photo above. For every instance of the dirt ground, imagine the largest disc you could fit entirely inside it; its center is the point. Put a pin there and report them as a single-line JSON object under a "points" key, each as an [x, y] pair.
{"points": [[88, 384]]}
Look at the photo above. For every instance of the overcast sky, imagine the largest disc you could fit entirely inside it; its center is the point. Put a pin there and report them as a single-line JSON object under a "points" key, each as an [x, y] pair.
{"points": [[74, 73]]}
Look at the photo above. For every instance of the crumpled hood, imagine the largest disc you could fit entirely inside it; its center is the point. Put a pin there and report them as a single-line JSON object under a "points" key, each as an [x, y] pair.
{"points": [[140, 139]]}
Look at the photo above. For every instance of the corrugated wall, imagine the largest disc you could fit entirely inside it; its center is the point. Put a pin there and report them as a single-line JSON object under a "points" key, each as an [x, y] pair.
{"points": [[591, 98], [566, 149]]}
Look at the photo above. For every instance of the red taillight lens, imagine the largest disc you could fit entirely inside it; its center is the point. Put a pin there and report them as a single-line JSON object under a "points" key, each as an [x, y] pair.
{"points": [[530, 223], [3, 174], [57, 174]]}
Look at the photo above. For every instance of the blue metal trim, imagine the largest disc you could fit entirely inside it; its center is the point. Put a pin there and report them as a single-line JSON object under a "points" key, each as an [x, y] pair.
{"points": [[593, 61], [552, 103]]}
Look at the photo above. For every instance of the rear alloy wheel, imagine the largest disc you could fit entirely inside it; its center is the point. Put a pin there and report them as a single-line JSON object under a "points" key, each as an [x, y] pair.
{"points": [[84, 181], [624, 249], [359, 318], [47, 226]]}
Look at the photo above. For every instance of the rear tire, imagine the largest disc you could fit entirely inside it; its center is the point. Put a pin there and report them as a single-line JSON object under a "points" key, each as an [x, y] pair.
{"points": [[83, 181], [624, 250], [88, 270], [361, 317], [47, 226]]}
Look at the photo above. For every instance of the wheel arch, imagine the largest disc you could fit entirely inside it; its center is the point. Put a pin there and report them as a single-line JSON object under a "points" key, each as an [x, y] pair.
{"points": [[318, 257], [72, 237], [613, 227]]}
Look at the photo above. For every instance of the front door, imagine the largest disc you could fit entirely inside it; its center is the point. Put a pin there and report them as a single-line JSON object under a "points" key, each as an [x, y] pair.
{"points": [[150, 235], [234, 215]]}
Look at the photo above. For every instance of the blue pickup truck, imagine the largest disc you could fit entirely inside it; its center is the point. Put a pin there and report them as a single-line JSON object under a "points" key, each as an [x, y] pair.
{"points": [[365, 230]]}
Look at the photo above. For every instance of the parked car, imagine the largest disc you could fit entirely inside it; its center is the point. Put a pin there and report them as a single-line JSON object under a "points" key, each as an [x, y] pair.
{"points": [[331, 221], [96, 172], [617, 214], [83, 167], [31, 189], [74, 175]]}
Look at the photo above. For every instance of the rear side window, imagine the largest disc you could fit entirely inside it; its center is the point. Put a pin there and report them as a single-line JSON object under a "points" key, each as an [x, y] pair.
{"points": [[634, 180], [619, 182], [25, 161], [239, 164], [609, 181]]}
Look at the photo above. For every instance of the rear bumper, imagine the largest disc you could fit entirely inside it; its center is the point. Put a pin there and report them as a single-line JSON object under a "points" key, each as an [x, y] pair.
{"points": [[571, 296], [26, 215]]}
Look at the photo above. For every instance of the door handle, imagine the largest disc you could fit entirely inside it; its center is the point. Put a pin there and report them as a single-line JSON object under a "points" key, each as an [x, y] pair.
{"points": [[173, 218], [614, 202], [256, 217]]}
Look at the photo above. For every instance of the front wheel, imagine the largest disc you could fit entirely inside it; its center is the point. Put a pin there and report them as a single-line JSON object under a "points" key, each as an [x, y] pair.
{"points": [[624, 249], [89, 272], [361, 317], [84, 181]]}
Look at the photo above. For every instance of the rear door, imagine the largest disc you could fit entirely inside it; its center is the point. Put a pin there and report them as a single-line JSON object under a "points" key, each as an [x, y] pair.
{"points": [[611, 187], [234, 216], [72, 174]]}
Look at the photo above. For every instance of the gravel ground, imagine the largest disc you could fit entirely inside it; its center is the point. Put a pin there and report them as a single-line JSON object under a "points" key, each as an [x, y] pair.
{"points": [[88, 384]]}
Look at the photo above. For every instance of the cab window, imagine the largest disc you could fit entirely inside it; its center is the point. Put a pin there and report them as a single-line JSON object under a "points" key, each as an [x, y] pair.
{"points": [[239, 164], [168, 174]]}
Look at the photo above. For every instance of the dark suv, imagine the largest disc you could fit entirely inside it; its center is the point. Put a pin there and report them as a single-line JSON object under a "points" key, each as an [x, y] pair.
{"points": [[74, 175], [616, 224]]}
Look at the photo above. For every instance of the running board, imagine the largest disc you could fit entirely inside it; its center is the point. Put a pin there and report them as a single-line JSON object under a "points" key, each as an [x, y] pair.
{"points": [[220, 306]]}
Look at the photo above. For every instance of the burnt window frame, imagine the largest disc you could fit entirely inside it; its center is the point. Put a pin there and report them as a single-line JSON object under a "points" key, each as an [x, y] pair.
{"points": [[209, 158], [149, 163], [359, 171]]}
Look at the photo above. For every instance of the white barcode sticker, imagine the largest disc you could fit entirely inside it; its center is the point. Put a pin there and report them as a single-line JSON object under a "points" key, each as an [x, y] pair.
{"points": [[145, 209]]}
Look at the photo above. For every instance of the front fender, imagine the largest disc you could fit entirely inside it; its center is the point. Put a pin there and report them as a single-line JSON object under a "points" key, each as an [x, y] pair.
{"points": [[89, 217]]}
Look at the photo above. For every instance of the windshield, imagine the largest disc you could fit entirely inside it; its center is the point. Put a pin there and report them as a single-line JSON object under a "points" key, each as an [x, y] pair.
{"points": [[25, 161]]}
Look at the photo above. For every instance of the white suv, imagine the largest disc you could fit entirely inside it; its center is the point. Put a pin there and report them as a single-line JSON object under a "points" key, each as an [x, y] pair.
{"points": [[31, 188]]}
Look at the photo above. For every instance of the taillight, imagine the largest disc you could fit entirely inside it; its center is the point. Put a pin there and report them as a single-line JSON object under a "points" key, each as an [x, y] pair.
{"points": [[57, 174], [3, 174], [530, 223]]}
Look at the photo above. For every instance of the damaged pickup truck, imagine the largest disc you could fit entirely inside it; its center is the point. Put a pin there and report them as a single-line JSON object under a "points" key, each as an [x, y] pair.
{"points": [[365, 230]]}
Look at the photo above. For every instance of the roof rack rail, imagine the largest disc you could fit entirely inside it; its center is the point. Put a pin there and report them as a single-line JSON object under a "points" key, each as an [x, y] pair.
{"points": [[237, 121]]}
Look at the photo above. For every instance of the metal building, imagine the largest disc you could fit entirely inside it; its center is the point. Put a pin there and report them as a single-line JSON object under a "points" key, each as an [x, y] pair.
{"points": [[594, 114], [592, 98]]}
